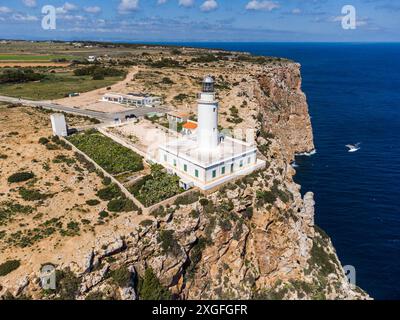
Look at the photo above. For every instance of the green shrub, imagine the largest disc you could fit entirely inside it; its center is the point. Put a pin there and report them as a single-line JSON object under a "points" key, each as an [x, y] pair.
{"points": [[107, 181], [156, 187], [52, 146], [32, 194], [8, 267], [121, 205], [92, 202], [150, 288], [109, 193], [64, 159], [249, 212], [121, 277], [195, 255], [204, 202], [9, 208], [169, 244], [99, 71], [20, 177], [103, 214], [146, 223], [187, 199], [19, 75], [165, 63], [265, 197], [44, 141], [67, 284]]}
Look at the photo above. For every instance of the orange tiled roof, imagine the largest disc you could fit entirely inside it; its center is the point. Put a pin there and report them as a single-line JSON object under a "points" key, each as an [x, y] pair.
{"points": [[190, 125]]}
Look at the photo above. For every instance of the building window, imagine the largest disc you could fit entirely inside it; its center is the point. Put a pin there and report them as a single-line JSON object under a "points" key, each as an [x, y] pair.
{"points": [[241, 163], [174, 162], [248, 160], [196, 173], [185, 167], [165, 158], [214, 174], [215, 109], [223, 170]]}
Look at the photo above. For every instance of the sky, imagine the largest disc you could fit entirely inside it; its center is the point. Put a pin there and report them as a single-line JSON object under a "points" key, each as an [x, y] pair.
{"points": [[202, 20]]}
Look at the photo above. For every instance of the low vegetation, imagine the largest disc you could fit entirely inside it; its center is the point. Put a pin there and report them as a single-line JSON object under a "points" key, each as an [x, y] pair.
{"points": [[121, 276], [111, 156], [8, 267], [55, 86], [20, 177], [9, 209], [150, 288], [98, 72], [156, 187], [19, 75]]}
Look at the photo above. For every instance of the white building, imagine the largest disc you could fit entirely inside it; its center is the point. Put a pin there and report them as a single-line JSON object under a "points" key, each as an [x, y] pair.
{"points": [[132, 99], [59, 125], [207, 159], [92, 59]]}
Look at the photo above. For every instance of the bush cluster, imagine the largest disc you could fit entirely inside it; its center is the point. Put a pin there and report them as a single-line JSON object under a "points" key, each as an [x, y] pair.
{"points": [[20, 177]]}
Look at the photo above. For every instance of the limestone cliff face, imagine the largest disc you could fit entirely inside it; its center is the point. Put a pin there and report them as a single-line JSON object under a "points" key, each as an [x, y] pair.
{"points": [[284, 108], [253, 239]]}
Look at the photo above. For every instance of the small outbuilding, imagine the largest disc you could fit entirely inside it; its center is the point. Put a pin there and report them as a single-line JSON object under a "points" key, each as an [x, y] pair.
{"points": [[59, 125]]}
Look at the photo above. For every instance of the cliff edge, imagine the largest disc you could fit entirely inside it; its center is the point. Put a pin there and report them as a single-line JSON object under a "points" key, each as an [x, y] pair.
{"points": [[252, 239]]}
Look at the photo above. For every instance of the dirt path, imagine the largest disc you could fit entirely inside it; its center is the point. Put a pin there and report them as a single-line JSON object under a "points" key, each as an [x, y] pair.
{"points": [[88, 98]]}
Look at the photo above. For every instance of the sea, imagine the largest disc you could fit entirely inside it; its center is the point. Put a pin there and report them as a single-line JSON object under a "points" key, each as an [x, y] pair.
{"points": [[353, 92]]}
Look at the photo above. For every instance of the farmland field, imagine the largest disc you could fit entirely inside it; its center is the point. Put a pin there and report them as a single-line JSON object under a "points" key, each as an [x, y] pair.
{"points": [[28, 57], [111, 156], [55, 86]]}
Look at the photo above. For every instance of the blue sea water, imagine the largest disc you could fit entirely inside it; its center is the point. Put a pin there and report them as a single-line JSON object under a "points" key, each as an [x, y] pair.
{"points": [[353, 92]]}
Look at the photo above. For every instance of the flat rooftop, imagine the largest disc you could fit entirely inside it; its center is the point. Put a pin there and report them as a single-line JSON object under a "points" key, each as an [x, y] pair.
{"points": [[186, 148]]}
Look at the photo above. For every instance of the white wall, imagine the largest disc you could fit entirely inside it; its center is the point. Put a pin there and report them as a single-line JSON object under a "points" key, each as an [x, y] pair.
{"points": [[206, 175]]}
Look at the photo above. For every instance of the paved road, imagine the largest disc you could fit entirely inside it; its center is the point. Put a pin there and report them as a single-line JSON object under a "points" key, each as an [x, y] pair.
{"points": [[102, 116]]}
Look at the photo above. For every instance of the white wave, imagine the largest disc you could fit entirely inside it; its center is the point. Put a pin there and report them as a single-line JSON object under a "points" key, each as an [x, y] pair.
{"points": [[307, 154], [294, 164]]}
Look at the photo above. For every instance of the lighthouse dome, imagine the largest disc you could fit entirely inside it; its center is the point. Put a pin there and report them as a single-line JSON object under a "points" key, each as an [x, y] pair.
{"points": [[208, 84], [208, 79]]}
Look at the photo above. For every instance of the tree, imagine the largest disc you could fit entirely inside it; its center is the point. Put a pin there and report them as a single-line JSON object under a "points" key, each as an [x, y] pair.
{"points": [[150, 288]]}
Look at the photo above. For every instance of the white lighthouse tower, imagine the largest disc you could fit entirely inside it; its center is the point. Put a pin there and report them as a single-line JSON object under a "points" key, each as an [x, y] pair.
{"points": [[207, 132]]}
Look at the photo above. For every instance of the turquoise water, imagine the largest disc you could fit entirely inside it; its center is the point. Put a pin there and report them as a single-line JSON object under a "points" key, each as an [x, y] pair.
{"points": [[353, 92]]}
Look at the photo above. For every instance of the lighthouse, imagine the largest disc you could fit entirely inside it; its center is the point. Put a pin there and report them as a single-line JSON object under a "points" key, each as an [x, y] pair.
{"points": [[207, 132], [204, 159]]}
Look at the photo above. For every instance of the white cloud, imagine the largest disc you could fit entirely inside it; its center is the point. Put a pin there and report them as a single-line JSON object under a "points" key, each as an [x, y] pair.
{"points": [[67, 7], [209, 5], [262, 5], [161, 1], [128, 5], [296, 11], [186, 3], [94, 9], [30, 3], [22, 17], [5, 10]]}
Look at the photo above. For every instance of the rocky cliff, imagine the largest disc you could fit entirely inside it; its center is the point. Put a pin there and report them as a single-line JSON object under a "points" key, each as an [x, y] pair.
{"points": [[252, 239]]}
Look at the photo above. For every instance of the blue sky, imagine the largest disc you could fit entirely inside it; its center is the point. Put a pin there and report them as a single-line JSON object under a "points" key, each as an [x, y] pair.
{"points": [[201, 20]]}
